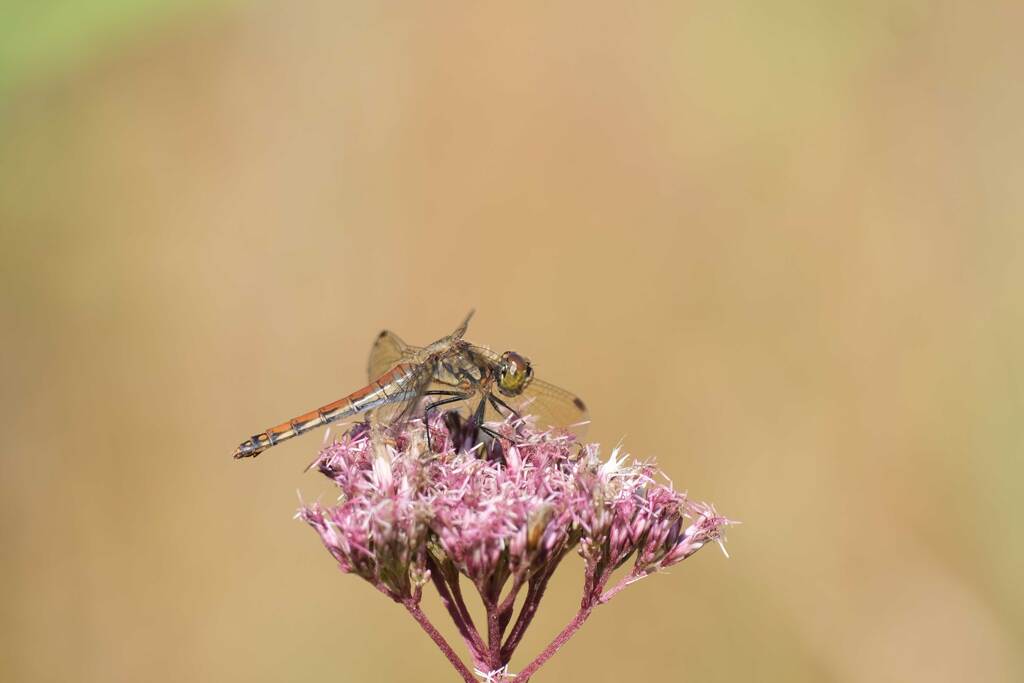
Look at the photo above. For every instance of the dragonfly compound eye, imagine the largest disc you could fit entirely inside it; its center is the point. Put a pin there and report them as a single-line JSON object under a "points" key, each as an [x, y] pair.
{"points": [[514, 374]]}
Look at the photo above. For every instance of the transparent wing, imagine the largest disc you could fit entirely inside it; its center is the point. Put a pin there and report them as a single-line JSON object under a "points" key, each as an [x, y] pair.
{"points": [[552, 406], [414, 387], [435, 381], [387, 352], [389, 349], [408, 392]]}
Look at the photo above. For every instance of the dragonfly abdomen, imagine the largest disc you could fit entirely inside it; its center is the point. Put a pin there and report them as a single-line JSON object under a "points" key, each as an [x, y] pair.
{"points": [[386, 389]]}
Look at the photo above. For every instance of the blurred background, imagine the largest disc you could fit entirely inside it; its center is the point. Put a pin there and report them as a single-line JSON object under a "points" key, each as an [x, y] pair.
{"points": [[775, 246]]}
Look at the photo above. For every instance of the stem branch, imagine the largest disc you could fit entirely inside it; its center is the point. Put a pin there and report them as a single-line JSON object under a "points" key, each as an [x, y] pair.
{"points": [[534, 592], [459, 614], [493, 635], [555, 645], [442, 644]]}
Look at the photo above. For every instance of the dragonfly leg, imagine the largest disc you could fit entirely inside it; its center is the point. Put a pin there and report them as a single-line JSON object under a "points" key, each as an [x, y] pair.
{"points": [[495, 450], [496, 437], [501, 406], [451, 397], [491, 433], [478, 414]]}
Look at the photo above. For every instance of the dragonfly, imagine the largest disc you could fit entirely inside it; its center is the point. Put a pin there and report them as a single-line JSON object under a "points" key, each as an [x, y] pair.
{"points": [[409, 381]]}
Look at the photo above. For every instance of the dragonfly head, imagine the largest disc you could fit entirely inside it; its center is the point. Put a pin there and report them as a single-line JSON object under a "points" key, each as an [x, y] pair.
{"points": [[514, 373]]}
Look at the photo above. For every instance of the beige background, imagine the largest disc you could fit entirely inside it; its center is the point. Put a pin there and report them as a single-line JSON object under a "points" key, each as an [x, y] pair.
{"points": [[776, 246]]}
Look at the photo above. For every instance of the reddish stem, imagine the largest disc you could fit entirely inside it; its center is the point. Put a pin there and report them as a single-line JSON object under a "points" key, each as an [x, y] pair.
{"points": [[623, 582], [459, 614], [592, 597], [493, 635], [533, 595], [456, 589], [442, 644], [507, 605], [555, 645]]}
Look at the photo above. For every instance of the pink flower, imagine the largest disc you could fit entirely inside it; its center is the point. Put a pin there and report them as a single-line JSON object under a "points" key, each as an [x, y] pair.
{"points": [[501, 514]]}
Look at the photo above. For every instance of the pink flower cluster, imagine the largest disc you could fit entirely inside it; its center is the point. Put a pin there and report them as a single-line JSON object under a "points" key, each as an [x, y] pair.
{"points": [[502, 515]]}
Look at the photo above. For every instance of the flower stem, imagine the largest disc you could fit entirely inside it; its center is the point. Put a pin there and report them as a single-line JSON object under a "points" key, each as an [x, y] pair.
{"points": [[493, 635], [592, 597], [451, 598], [508, 604], [629, 578], [442, 644], [460, 603], [534, 593], [555, 645]]}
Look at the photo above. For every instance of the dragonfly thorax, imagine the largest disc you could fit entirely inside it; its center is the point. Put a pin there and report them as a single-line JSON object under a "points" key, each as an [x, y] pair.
{"points": [[459, 367]]}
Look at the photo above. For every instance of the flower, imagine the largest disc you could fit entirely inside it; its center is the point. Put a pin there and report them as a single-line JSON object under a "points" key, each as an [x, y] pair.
{"points": [[501, 513]]}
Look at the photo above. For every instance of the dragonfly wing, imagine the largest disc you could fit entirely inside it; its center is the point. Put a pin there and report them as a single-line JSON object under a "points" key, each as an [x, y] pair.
{"points": [[416, 385], [407, 392], [388, 351], [551, 406]]}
